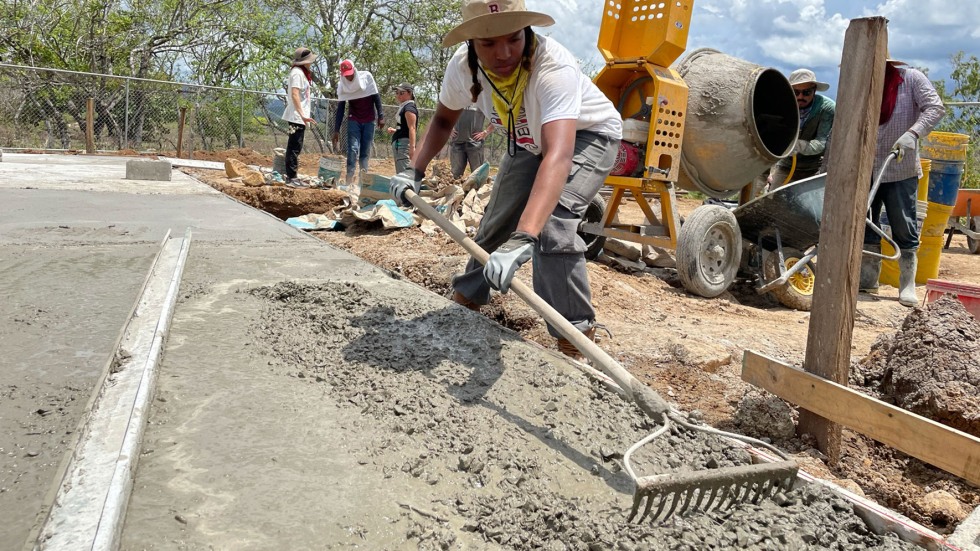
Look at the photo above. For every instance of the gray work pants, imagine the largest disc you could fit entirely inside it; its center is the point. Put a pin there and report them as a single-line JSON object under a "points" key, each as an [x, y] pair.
{"points": [[559, 273], [462, 153]]}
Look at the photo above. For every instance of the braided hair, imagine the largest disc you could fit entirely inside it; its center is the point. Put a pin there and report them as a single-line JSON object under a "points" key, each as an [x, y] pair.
{"points": [[474, 63]]}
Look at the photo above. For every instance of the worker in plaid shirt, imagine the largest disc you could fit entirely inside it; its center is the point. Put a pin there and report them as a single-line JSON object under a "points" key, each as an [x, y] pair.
{"points": [[910, 109]]}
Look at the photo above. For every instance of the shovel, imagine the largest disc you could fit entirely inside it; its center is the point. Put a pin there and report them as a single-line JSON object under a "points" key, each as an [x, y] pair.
{"points": [[674, 492]]}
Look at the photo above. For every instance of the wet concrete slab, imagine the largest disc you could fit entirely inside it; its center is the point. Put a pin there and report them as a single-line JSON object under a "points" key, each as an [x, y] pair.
{"points": [[76, 243]]}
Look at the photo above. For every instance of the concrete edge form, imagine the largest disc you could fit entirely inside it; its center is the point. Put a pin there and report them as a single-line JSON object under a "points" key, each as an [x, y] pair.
{"points": [[90, 503], [879, 518]]}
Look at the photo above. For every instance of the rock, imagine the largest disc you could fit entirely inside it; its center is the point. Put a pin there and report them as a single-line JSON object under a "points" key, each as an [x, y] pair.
{"points": [[851, 486], [234, 168], [629, 251], [705, 355], [763, 414], [253, 178], [942, 507], [657, 257]]}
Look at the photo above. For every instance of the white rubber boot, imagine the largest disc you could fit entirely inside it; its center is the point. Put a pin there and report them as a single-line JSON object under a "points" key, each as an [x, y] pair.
{"points": [[906, 279], [870, 270]]}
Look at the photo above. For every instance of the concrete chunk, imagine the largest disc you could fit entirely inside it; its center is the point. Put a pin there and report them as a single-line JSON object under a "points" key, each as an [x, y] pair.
{"points": [[148, 169]]}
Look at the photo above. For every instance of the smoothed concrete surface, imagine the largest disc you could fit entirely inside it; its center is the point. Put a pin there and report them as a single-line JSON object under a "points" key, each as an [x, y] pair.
{"points": [[76, 243]]}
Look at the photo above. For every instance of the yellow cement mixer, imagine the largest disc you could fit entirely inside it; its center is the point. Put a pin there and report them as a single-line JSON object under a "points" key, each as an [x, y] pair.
{"points": [[710, 124]]}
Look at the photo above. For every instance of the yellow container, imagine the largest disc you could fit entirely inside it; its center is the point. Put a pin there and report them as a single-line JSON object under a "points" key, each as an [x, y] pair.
{"points": [[656, 31], [927, 258], [923, 190], [944, 146], [931, 239]]}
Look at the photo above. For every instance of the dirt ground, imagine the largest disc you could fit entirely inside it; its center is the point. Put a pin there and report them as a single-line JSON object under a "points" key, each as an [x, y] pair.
{"points": [[689, 348]]}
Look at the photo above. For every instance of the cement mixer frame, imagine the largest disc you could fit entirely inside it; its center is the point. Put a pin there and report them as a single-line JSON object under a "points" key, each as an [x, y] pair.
{"points": [[639, 41]]}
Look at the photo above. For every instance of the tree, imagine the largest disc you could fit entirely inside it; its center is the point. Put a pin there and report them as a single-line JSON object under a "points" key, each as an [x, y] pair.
{"points": [[964, 119]]}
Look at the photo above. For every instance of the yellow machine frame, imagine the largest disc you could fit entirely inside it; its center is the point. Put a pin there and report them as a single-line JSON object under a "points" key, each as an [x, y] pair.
{"points": [[639, 39]]}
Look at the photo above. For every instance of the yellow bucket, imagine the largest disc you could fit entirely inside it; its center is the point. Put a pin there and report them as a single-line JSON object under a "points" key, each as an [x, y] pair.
{"points": [[923, 190], [944, 146], [931, 239]]}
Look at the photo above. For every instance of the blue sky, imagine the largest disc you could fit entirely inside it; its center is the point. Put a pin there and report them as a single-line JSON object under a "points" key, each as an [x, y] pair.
{"points": [[787, 34]]}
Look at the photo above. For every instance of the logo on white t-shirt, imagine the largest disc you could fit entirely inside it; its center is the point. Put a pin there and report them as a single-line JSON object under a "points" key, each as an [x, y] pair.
{"points": [[522, 131]]}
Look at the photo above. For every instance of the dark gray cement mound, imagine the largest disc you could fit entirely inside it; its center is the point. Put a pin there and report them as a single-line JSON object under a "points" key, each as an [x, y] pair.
{"points": [[438, 385], [931, 367]]}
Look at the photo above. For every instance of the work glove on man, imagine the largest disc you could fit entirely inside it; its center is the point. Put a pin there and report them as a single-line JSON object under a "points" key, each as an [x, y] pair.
{"points": [[410, 178], [907, 143], [798, 148], [505, 261]]}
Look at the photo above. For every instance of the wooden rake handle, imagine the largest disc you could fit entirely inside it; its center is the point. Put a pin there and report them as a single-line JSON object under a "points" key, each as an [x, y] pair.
{"points": [[643, 396]]}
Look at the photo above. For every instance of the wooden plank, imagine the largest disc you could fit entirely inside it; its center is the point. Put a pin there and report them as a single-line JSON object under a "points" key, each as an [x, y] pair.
{"points": [[951, 450], [851, 159]]}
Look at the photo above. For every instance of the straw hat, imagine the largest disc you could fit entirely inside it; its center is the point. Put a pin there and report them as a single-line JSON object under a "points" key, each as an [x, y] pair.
{"points": [[806, 76], [303, 56], [490, 18]]}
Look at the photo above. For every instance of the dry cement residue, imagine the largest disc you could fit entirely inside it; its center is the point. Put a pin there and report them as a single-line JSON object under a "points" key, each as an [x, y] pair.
{"points": [[504, 446], [931, 367]]}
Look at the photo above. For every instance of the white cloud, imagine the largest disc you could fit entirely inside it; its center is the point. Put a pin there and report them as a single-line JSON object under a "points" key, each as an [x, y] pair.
{"points": [[786, 34]]}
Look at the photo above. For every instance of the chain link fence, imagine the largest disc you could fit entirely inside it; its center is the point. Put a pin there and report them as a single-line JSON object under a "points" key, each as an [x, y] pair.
{"points": [[58, 110]]}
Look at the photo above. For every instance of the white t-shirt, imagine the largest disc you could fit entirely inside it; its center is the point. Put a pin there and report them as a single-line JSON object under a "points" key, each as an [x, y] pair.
{"points": [[297, 80], [548, 96]]}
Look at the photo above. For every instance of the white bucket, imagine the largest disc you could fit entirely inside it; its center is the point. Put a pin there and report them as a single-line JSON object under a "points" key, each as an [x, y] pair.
{"points": [[330, 168]]}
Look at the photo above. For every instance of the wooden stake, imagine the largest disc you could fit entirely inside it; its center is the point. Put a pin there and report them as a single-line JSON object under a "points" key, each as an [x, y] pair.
{"points": [[180, 131], [851, 160], [90, 126]]}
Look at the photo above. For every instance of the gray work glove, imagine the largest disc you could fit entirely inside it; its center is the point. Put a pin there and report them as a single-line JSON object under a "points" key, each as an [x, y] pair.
{"points": [[409, 178], [907, 143], [505, 261], [798, 148]]}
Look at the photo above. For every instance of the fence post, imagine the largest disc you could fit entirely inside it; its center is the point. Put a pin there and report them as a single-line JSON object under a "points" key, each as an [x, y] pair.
{"points": [[241, 124], [180, 130], [90, 126], [126, 118]]}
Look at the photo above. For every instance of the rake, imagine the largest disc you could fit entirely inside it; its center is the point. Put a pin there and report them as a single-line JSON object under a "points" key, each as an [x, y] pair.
{"points": [[672, 493]]}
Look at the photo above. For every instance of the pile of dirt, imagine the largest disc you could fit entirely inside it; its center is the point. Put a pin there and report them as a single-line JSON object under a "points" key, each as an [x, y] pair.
{"points": [[280, 201], [932, 366]]}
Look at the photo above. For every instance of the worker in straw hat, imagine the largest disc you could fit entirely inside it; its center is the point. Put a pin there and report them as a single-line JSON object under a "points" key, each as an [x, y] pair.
{"points": [[562, 138], [910, 109], [297, 113], [816, 121]]}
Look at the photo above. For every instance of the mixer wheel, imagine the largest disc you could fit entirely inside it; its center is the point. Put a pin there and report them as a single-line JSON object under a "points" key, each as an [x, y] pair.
{"points": [[709, 249]]}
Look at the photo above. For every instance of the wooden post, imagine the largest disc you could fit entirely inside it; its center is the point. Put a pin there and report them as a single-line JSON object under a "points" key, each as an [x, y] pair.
{"points": [[90, 126], [849, 176], [180, 131]]}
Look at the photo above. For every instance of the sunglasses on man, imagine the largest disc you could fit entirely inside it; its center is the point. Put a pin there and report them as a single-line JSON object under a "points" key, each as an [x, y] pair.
{"points": [[805, 93]]}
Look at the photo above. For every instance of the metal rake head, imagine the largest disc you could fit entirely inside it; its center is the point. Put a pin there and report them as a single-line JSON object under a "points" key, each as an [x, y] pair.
{"points": [[710, 489]]}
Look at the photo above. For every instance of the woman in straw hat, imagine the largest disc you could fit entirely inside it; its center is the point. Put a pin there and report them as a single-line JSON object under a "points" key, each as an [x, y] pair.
{"points": [[297, 112], [562, 139]]}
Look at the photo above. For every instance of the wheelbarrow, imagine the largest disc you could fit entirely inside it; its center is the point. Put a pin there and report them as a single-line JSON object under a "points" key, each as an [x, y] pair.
{"points": [[967, 206], [783, 229]]}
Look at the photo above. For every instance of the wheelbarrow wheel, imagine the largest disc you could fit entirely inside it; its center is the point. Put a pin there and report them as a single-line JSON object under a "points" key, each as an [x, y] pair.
{"points": [[593, 215], [973, 244], [709, 249], [798, 291]]}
